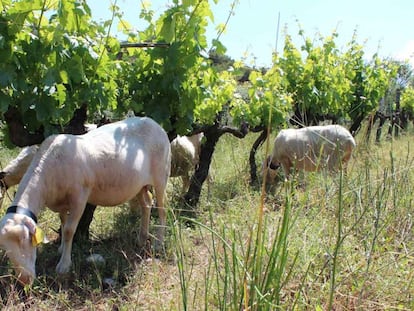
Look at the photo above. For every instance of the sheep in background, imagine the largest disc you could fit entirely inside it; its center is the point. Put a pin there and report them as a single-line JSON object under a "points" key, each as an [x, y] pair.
{"points": [[311, 149], [108, 166], [90, 126], [14, 171], [185, 156]]}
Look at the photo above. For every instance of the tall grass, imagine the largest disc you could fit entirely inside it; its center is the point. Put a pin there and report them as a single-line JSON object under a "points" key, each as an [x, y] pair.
{"points": [[241, 274], [255, 267]]}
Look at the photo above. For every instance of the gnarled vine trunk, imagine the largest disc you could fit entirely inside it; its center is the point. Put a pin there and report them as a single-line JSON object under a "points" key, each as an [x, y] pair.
{"points": [[252, 157], [212, 135]]}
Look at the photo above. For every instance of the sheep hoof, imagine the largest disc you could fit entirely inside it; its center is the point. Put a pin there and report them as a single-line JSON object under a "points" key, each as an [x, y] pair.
{"points": [[63, 267], [159, 253], [159, 249], [142, 242]]}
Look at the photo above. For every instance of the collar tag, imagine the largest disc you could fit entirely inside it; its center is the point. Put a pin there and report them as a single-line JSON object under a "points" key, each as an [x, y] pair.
{"points": [[38, 237]]}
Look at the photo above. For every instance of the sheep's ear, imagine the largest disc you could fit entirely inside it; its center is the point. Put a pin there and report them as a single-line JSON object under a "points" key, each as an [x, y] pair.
{"points": [[37, 234], [271, 165], [30, 224]]}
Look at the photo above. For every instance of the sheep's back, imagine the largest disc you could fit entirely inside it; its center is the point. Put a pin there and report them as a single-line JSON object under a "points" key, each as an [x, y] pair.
{"points": [[183, 154], [111, 162], [311, 146]]}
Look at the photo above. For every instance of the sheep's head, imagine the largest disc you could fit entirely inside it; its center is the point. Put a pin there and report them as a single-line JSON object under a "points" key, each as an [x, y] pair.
{"points": [[19, 236], [270, 169]]}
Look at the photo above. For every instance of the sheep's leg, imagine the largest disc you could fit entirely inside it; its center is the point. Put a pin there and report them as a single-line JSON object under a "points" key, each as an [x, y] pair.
{"points": [[82, 230], [186, 182], [143, 198], [62, 217], [345, 161], [286, 169], [347, 157], [68, 231], [159, 243]]}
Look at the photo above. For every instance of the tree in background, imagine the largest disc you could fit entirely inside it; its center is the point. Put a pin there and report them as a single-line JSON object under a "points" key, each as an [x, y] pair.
{"points": [[328, 84], [316, 79], [52, 65], [390, 107], [400, 84], [407, 104]]}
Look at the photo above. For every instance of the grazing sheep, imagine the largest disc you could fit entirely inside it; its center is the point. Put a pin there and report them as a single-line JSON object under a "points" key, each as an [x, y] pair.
{"points": [[185, 156], [108, 166], [311, 148]]}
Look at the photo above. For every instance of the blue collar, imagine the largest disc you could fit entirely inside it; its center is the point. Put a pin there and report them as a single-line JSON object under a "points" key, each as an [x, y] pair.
{"points": [[21, 210]]}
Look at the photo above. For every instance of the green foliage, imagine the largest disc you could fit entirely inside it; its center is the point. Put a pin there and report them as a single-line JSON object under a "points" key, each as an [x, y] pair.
{"points": [[407, 101], [315, 76], [176, 86], [370, 82], [401, 80], [322, 92], [267, 102], [323, 80], [55, 58], [54, 65]]}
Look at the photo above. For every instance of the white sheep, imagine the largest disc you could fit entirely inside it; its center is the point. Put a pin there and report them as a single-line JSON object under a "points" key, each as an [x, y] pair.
{"points": [[185, 156], [108, 166], [311, 149]]}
